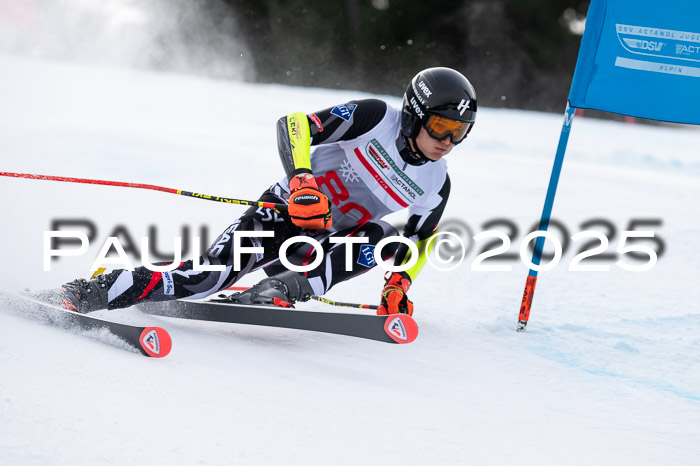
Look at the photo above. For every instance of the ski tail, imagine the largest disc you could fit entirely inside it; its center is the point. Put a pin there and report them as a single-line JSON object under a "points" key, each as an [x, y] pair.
{"points": [[155, 342], [401, 328]]}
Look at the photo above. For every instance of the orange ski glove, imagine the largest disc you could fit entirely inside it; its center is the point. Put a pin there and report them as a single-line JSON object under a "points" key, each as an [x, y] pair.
{"points": [[308, 206], [394, 299]]}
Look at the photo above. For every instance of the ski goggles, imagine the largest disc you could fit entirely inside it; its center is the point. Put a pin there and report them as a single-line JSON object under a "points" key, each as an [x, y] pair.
{"points": [[440, 127]]}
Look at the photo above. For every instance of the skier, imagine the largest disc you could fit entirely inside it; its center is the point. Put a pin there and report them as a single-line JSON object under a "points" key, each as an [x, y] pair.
{"points": [[369, 160]]}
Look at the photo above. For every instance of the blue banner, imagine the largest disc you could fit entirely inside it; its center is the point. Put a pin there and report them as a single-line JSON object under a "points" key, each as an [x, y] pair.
{"points": [[641, 58]]}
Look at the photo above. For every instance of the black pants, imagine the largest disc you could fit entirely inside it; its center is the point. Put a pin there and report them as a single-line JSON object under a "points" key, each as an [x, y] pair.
{"points": [[132, 287]]}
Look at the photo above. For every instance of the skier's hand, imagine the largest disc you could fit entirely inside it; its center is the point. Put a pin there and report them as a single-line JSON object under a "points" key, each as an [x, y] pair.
{"points": [[308, 206], [394, 299]]}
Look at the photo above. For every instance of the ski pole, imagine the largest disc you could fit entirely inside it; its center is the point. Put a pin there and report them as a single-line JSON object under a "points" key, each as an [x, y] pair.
{"points": [[340, 304], [319, 298], [225, 200]]}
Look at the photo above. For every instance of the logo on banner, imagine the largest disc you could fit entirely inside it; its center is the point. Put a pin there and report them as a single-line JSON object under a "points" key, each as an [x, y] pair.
{"points": [[649, 45], [640, 44], [688, 50], [344, 111]]}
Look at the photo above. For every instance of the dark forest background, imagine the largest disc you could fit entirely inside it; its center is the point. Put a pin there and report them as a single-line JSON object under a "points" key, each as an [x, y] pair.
{"points": [[517, 53]]}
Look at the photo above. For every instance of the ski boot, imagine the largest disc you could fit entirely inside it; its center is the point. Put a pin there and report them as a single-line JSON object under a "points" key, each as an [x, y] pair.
{"points": [[83, 296], [282, 290]]}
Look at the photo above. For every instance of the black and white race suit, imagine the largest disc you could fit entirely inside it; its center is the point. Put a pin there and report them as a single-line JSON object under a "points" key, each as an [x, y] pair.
{"points": [[359, 162]]}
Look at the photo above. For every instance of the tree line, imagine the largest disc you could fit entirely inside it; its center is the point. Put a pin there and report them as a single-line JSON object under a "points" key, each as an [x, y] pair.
{"points": [[517, 53]]}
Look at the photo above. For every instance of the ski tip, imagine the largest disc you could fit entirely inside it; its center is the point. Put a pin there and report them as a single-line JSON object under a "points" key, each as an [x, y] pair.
{"points": [[155, 342], [401, 328]]}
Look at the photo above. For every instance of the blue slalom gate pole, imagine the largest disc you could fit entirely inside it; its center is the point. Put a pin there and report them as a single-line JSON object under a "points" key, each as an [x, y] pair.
{"points": [[531, 281]]}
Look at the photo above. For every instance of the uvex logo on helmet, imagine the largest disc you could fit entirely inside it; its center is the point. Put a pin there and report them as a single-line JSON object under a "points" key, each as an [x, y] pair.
{"points": [[417, 109], [437, 91], [424, 87]]}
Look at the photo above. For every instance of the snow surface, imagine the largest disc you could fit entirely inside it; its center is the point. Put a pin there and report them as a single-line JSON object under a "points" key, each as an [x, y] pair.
{"points": [[608, 371]]}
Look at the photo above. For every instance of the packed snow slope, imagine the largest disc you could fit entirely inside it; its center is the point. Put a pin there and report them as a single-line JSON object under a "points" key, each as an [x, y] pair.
{"points": [[607, 373]]}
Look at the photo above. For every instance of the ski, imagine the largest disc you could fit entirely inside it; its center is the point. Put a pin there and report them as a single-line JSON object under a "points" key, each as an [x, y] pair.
{"points": [[154, 342], [396, 328]]}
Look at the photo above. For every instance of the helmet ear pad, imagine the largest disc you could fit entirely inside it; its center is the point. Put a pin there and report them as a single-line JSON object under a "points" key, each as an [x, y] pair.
{"points": [[410, 121], [410, 124]]}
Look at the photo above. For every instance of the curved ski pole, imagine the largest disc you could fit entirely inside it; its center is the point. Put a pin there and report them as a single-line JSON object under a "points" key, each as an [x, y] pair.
{"points": [[341, 304], [321, 299], [225, 200]]}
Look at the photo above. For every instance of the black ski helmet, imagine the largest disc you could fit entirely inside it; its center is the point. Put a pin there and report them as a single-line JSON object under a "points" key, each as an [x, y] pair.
{"points": [[440, 91]]}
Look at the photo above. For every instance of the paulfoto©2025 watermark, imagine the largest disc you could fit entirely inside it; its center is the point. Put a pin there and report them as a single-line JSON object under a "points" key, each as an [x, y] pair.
{"points": [[636, 250]]}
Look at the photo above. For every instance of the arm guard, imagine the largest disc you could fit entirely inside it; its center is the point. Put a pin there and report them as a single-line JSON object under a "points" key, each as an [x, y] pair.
{"points": [[423, 254], [293, 143], [297, 132], [420, 229]]}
